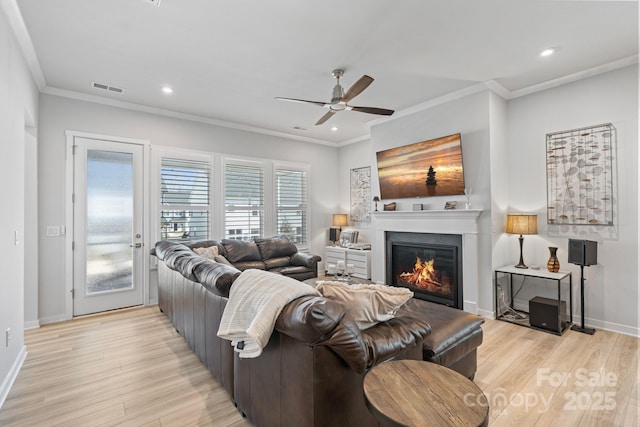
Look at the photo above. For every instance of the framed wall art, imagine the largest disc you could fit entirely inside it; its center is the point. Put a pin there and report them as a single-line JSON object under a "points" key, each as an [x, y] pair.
{"points": [[580, 176], [361, 195]]}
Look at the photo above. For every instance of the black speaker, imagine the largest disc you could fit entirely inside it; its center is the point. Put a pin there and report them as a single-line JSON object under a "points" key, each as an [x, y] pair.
{"points": [[583, 252], [543, 313]]}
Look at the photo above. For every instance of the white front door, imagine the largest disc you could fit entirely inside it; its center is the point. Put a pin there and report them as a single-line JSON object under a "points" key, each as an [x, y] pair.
{"points": [[107, 225]]}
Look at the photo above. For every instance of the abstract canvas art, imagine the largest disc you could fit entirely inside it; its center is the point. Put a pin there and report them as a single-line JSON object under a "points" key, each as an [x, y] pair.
{"points": [[361, 195], [580, 175], [422, 169]]}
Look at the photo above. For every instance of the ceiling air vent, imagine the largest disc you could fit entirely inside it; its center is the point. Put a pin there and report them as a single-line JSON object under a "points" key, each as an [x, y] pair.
{"points": [[107, 87]]}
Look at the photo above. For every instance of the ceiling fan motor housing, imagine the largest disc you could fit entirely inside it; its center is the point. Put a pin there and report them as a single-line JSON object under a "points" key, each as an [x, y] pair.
{"points": [[338, 95]]}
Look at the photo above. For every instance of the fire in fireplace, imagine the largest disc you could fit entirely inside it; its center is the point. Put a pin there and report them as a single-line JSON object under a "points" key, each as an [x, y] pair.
{"points": [[427, 277], [428, 264]]}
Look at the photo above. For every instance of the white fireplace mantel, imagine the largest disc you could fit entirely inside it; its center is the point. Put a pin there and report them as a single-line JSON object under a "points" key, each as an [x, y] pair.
{"points": [[463, 222]]}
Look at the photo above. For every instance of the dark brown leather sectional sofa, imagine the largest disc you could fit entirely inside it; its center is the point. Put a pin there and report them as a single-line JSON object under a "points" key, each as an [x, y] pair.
{"points": [[311, 371]]}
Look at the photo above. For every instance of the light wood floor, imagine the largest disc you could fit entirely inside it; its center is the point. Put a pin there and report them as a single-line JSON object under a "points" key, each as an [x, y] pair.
{"points": [[131, 368]]}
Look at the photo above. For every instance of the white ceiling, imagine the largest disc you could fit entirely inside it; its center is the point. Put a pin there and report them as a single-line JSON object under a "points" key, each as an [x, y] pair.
{"points": [[226, 60]]}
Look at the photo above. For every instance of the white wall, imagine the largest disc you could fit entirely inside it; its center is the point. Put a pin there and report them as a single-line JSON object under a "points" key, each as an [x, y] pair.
{"points": [[505, 164], [355, 156], [612, 286], [469, 116], [59, 114], [18, 109], [31, 318]]}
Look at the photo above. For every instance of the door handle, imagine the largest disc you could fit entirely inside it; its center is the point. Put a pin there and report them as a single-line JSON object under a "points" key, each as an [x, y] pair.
{"points": [[137, 245]]}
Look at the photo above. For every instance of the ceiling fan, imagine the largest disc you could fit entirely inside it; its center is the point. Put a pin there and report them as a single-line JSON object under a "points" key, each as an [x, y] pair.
{"points": [[340, 99]]}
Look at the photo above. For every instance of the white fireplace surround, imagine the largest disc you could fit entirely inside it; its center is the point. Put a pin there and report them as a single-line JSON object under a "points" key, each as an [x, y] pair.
{"points": [[461, 222]]}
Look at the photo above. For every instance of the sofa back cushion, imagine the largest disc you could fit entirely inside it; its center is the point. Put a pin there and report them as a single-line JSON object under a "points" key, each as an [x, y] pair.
{"points": [[276, 247], [215, 276], [240, 251]]}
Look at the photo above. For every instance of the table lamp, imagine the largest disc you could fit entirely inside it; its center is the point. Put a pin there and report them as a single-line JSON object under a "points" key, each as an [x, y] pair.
{"points": [[338, 221], [522, 224]]}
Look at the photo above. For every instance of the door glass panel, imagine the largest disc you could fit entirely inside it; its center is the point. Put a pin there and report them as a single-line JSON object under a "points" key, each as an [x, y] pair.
{"points": [[109, 221]]}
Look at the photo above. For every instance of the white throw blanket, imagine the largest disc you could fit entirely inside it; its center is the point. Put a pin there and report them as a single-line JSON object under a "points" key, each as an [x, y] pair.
{"points": [[256, 299]]}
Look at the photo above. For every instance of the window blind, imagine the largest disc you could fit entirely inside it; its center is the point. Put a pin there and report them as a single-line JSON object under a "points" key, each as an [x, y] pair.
{"points": [[185, 198], [291, 204], [244, 201]]}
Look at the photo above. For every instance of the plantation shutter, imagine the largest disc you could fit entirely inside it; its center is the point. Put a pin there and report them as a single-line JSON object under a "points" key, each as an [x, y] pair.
{"points": [[291, 204], [244, 201], [185, 199]]}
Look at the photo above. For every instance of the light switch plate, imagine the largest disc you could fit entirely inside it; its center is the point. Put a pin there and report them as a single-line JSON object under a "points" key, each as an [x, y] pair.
{"points": [[53, 230]]}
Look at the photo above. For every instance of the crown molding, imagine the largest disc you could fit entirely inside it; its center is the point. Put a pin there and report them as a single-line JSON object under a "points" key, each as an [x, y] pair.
{"points": [[580, 75], [17, 24], [174, 114], [12, 12]]}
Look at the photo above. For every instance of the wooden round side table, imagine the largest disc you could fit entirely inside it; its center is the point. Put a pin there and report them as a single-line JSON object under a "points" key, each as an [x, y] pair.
{"points": [[417, 393]]}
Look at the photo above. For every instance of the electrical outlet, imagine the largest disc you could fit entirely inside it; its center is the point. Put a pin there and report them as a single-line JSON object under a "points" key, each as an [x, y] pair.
{"points": [[7, 337]]}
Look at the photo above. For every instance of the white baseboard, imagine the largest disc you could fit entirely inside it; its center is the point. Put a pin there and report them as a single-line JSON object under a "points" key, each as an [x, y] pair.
{"points": [[487, 314], [32, 324], [633, 331], [54, 319], [470, 307], [12, 375]]}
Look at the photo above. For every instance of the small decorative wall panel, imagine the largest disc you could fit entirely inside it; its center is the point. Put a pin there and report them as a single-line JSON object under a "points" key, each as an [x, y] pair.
{"points": [[361, 195], [580, 176]]}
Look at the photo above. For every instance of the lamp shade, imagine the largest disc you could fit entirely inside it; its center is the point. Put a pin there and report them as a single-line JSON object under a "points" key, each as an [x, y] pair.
{"points": [[522, 224], [339, 220]]}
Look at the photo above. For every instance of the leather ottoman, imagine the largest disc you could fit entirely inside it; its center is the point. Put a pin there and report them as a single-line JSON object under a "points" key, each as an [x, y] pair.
{"points": [[455, 335]]}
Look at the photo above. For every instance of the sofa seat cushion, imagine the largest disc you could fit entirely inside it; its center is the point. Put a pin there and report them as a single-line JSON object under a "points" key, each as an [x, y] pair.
{"points": [[272, 263], [454, 333], [246, 265], [290, 270]]}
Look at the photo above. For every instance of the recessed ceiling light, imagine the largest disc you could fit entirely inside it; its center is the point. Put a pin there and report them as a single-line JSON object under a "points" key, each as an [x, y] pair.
{"points": [[167, 90], [548, 51], [334, 128]]}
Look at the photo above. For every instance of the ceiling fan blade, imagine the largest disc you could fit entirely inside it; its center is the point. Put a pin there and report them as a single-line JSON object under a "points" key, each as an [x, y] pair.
{"points": [[325, 117], [304, 101], [373, 110], [357, 88]]}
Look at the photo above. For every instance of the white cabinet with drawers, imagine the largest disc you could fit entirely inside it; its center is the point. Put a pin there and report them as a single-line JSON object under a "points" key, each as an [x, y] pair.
{"points": [[360, 259]]}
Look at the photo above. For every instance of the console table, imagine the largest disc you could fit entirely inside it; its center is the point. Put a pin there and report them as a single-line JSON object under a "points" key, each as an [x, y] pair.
{"points": [[361, 259], [418, 393], [538, 274]]}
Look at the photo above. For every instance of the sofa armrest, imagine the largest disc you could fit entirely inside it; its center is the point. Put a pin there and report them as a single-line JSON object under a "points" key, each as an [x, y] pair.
{"points": [[304, 259], [388, 339], [315, 320]]}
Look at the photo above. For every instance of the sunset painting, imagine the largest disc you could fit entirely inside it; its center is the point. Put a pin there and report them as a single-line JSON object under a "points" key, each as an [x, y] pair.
{"points": [[424, 169]]}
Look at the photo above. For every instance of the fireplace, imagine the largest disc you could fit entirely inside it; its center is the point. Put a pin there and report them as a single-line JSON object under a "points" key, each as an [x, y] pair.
{"points": [[427, 263]]}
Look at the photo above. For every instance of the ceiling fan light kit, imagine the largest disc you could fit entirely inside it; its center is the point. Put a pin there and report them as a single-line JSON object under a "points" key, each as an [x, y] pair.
{"points": [[340, 99]]}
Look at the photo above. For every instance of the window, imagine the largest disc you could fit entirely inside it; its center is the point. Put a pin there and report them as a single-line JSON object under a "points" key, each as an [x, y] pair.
{"points": [[244, 200], [263, 198], [291, 204], [185, 199]]}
